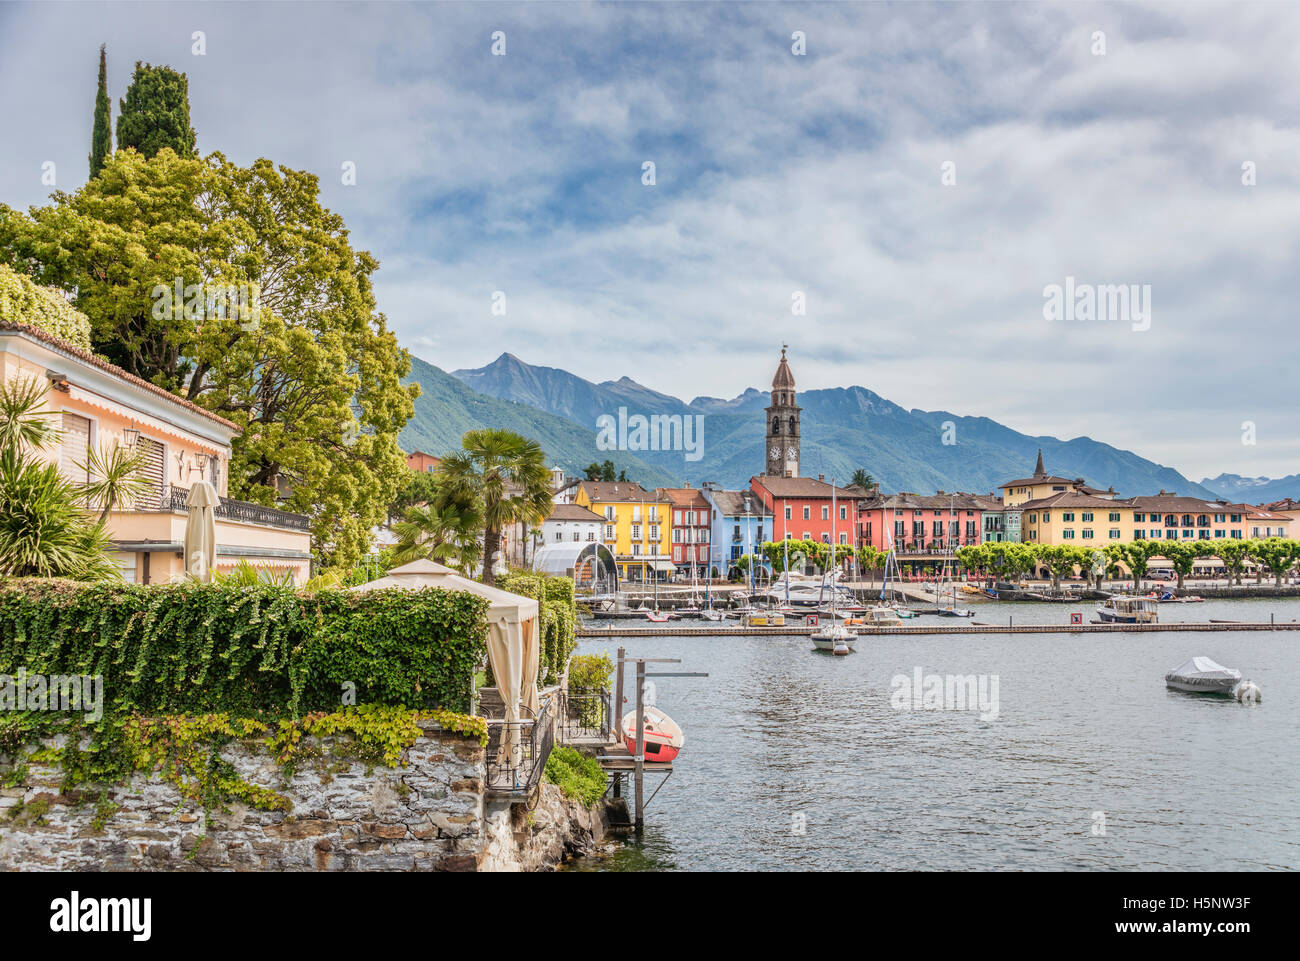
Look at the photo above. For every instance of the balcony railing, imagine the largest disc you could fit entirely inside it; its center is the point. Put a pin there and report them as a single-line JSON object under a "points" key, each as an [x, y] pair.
{"points": [[584, 714], [171, 499], [517, 772]]}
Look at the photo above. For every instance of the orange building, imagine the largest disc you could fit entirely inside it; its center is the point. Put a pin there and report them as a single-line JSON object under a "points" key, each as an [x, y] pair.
{"points": [[96, 404]]}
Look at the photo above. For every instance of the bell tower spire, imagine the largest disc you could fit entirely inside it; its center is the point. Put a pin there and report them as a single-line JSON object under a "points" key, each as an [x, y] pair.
{"points": [[781, 457]]}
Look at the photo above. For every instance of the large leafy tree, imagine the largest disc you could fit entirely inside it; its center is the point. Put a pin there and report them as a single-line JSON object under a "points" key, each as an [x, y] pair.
{"points": [[508, 472], [276, 327], [155, 113], [101, 131], [1234, 554]]}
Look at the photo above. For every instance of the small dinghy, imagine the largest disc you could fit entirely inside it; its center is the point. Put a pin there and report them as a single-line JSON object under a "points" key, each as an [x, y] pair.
{"points": [[1200, 675], [657, 617], [663, 738]]}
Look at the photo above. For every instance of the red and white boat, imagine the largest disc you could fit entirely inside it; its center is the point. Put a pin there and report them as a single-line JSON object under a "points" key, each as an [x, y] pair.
{"points": [[663, 738], [657, 617]]}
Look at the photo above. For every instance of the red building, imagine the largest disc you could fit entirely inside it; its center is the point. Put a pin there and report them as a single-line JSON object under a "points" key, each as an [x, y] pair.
{"points": [[691, 522], [807, 509]]}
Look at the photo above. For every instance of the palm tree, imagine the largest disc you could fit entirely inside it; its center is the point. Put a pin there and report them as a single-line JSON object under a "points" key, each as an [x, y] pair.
{"points": [[509, 474], [862, 479], [446, 529], [116, 481], [43, 530]]}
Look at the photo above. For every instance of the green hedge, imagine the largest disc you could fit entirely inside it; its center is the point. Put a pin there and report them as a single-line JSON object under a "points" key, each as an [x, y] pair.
{"points": [[559, 616], [249, 651]]}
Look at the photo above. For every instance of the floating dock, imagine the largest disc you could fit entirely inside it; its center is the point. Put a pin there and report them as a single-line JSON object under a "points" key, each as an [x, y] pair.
{"points": [[800, 630]]}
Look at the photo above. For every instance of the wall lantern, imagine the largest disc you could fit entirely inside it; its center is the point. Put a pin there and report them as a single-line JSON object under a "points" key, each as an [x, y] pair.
{"points": [[130, 436]]}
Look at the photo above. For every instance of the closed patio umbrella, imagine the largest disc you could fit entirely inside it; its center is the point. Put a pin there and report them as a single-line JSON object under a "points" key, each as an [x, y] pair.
{"points": [[201, 531]]}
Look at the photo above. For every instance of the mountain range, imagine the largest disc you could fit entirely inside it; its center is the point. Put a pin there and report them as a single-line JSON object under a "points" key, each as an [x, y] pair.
{"points": [[843, 429], [1254, 490]]}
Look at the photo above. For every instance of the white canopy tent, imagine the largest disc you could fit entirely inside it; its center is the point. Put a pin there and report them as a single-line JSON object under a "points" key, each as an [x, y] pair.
{"points": [[513, 642]]}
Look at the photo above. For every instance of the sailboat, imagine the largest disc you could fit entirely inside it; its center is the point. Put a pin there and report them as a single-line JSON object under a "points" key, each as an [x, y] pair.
{"points": [[946, 588], [835, 638]]}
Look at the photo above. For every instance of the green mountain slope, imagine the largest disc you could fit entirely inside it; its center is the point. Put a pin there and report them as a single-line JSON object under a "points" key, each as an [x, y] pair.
{"points": [[446, 408]]}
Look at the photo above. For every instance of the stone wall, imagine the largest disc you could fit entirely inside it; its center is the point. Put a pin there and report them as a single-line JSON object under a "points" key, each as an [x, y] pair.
{"points": [[425, 815]]}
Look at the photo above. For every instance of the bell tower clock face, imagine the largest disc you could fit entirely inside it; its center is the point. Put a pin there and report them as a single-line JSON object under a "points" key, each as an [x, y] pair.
{"points": [[774, 453], [791, 454]]}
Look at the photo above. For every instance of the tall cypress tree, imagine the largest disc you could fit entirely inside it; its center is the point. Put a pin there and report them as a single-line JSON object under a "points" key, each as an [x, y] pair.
{"points": [[101, 134], [155, 112]]}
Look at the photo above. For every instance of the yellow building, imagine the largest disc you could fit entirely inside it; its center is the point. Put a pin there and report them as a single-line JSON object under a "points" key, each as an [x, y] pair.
{"points": [[1075, 518], [637, 526]]}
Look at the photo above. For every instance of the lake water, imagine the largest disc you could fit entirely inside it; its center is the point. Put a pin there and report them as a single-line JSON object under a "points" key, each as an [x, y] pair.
{"points": [[796, 760]]}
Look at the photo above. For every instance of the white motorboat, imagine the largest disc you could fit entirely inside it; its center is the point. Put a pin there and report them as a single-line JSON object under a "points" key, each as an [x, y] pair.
{"points": [[834, 638], [1201, 675]]}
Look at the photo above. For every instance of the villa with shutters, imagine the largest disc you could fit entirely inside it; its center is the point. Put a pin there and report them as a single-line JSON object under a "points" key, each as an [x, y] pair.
{"points": [[97, 404]]}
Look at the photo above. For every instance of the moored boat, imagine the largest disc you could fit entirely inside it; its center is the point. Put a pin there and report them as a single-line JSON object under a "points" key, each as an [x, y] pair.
{"points": [[663, 738], [1201, 675], [835, 638], [1119, 609]]}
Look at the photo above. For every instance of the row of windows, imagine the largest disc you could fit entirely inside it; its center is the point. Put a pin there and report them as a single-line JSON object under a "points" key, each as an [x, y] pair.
{"points": [[826, 513]]}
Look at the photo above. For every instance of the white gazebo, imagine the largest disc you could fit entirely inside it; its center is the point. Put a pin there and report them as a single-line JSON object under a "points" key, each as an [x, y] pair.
{"points": [[513, 642]]}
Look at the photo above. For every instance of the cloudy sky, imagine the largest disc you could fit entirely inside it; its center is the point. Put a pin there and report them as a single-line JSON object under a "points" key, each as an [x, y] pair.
{"points": [[821, 174]]}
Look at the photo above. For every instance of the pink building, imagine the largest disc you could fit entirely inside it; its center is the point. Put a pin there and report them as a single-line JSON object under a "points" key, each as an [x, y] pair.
{"points": [[920, 523]]}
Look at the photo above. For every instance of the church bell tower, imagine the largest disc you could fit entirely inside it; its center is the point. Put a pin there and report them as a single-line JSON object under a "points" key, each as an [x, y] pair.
{"points": [[781, 457]]}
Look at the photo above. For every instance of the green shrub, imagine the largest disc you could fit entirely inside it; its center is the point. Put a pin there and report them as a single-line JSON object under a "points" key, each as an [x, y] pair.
{"points": [[589, 674], [578, 776], [559, 616], [23, 301]]}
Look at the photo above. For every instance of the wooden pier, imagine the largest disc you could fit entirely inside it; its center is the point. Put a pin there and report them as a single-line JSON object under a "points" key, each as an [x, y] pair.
{"points": [[801, 630]]}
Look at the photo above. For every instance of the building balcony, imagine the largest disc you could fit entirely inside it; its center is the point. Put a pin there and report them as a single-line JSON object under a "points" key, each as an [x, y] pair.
{"points": [[149, 538]]}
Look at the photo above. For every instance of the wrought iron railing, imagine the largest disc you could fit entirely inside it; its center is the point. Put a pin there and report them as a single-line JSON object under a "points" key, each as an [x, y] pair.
{"points": [[171, 499], [584, 714], [518, 771]]}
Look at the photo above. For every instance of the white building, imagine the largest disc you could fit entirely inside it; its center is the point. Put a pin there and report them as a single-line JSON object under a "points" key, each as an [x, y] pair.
{"points": [[571, 523]]}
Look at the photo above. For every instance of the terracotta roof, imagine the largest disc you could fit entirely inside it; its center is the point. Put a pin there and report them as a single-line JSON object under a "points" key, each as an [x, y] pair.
{"points": [[88, 358], [905, 500], [684, 497], [573, 512], [1071, 499], [1254, 513], [1163, 503], [801, 487], [1286, 504], [619, 492], [1039, 479]]}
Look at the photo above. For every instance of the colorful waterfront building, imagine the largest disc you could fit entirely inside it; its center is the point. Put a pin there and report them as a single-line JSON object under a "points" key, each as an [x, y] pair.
{"points": [[1042, 484], [920, 523], [691, 524], [637, 527], [1076, 518], [739, 524], [808, 509]]}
